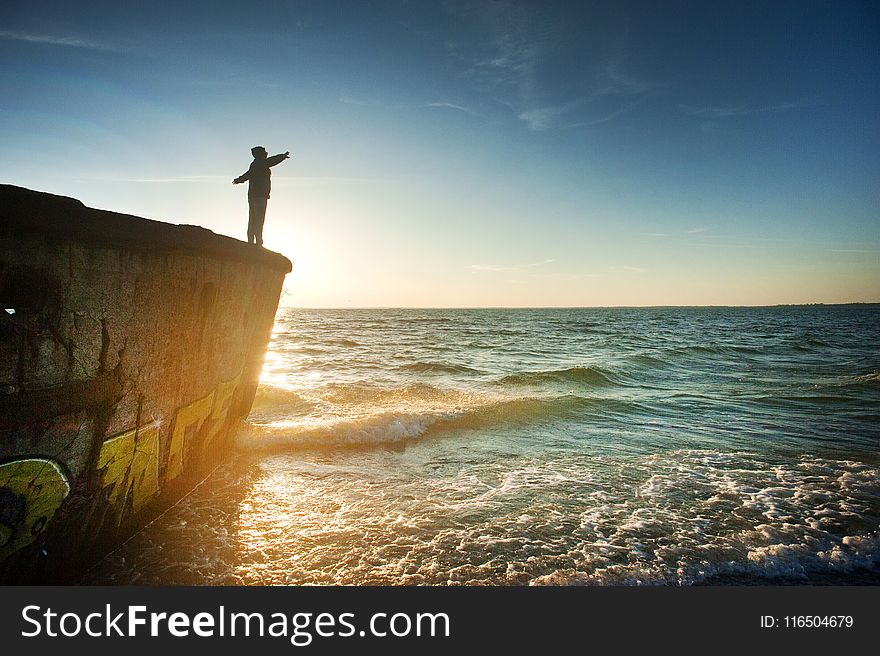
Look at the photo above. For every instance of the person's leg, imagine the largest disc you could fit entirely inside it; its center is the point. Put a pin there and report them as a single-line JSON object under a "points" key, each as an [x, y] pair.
{"points": [[252, 218], [259, 220]]}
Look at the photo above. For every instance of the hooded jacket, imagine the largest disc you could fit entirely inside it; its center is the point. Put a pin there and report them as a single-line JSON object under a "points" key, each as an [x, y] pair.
{"points": [[259, 176]]}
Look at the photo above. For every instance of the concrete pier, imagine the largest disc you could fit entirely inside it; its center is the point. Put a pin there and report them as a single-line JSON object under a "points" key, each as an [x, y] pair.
{"points": [[130, 352]]}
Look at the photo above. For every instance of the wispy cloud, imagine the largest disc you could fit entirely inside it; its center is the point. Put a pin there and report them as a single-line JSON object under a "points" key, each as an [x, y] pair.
{"points": [[543, 118], [621, 81], [52, 40], [727, 111], [611, 115], [665, 235], [435, 104], [601, 105], [449, 105], [516, 64]]}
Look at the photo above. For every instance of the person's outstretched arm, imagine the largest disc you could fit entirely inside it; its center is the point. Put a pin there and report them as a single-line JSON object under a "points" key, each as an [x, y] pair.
{"points": [[277, 159], [243, 177]]}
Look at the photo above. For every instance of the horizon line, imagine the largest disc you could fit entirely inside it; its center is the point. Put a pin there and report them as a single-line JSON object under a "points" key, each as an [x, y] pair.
{"points": [[563, 307]]}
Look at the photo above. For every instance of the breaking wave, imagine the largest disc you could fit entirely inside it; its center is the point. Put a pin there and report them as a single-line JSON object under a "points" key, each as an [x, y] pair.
{"points": [[388, 427]]}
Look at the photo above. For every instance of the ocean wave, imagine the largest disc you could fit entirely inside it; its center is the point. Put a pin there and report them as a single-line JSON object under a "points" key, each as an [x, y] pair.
{"points": [[302, 350], [370, 394], [363, 398], [340, 342], [386, 428], [590, 376], [715, 349], [397, 426], [506, 332], [808, 340], [419, 320], [271, 397], [783, 400], [294, 339], [438, 368], [648, 360]]}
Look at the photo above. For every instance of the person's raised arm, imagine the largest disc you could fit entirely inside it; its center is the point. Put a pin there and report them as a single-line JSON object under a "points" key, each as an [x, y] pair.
{"points": [[243, 177], [277, 159]]}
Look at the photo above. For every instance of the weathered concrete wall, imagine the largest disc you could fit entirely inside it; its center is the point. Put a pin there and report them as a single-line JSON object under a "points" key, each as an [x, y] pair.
{"points": [[132, 355]]}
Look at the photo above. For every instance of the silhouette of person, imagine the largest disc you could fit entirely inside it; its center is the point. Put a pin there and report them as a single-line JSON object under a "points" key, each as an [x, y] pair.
{"points": [[259, 180]]}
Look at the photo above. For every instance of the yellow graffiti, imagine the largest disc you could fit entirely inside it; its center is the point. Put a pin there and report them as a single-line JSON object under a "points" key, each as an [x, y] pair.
{"points": [[222, 402], [31, 490], [129, 466], [188, 421]]}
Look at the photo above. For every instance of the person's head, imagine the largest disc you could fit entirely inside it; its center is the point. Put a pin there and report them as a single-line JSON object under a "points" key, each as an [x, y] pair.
{"points": [[259, 152]]}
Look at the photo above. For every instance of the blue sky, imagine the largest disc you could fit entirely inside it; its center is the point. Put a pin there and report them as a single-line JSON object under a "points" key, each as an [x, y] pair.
{"points": [[475, 153]]}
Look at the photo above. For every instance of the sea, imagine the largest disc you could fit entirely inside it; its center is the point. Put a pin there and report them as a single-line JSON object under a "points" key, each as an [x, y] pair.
{"points": [[607, 446]]}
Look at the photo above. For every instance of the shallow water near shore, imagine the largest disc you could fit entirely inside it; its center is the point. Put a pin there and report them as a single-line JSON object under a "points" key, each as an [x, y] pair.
{"points": [[570, 446]]}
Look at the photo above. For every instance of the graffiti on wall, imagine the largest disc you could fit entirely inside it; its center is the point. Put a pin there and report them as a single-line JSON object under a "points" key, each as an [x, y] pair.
{"points": [[129, 469], [223, 396], [187, 423], [208, 414], [31, 490]]}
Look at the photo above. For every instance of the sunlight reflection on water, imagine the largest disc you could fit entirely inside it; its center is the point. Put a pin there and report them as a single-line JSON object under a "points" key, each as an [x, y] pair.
{"points": [[543, 446]]}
